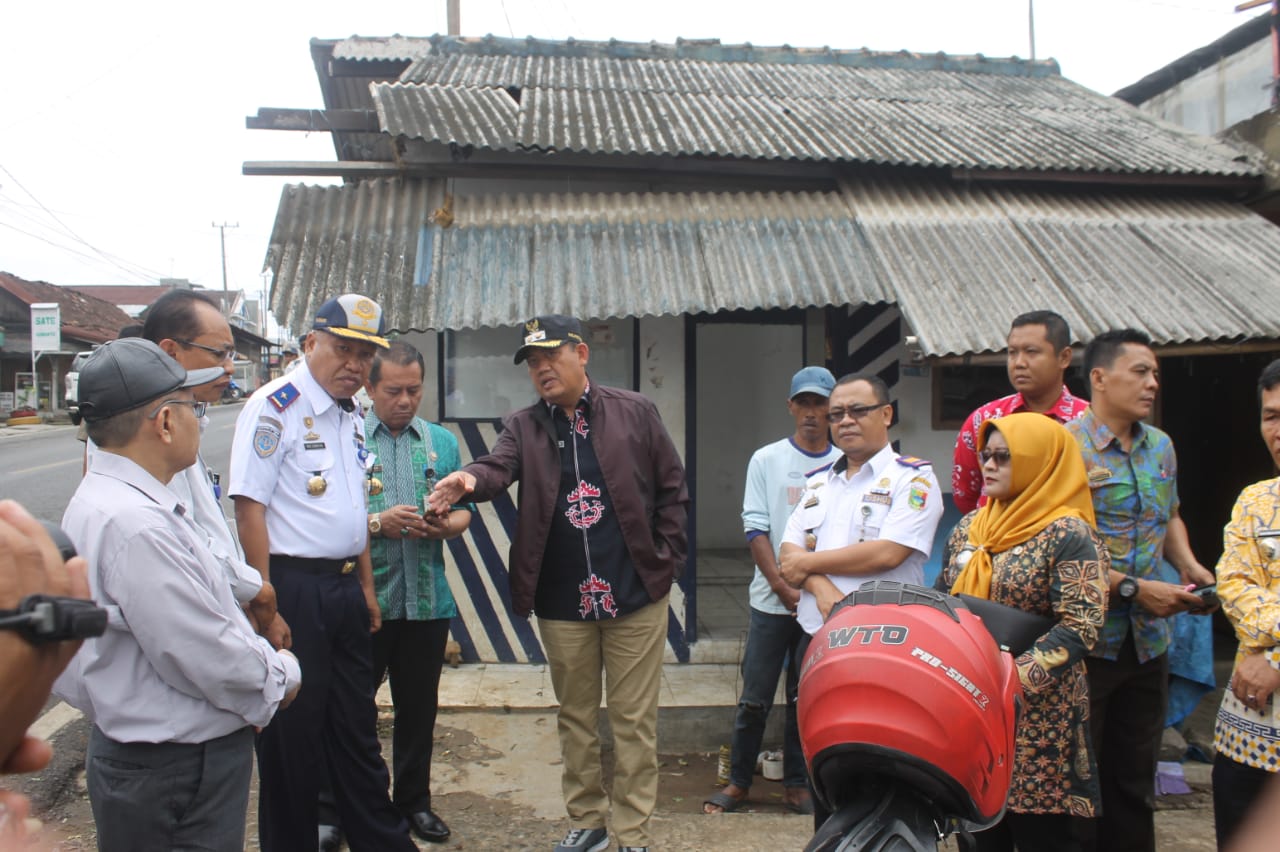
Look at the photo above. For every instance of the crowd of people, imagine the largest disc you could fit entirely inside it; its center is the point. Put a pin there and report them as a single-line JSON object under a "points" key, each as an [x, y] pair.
{"points": [[1070, 513], [224, 639]]}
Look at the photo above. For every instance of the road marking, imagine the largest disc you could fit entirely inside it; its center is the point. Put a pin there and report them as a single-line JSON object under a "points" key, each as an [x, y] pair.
{"points": [[46, 466], [55, 719]]}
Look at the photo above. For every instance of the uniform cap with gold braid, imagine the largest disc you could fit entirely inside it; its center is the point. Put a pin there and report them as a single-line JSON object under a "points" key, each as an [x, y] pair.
{"points": [[549, 331], [354, 316]]}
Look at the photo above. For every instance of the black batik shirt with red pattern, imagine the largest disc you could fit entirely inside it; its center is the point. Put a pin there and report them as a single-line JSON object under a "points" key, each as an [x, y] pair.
{"points": [[587, 573]]}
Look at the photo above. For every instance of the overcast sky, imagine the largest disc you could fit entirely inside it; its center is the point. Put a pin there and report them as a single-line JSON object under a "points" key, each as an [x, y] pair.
{"points": [[122, 125]]}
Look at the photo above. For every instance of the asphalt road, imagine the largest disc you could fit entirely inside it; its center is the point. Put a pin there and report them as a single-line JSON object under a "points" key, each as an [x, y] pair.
{"points": [[40, 466]]}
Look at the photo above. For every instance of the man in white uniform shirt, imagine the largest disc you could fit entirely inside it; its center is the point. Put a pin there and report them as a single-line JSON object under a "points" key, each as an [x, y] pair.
{"points": [[179, 680], [298, 475], [871, 515]]}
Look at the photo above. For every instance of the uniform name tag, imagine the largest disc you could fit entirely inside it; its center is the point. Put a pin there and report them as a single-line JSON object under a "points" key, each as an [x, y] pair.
{"points": [[314, 445]]}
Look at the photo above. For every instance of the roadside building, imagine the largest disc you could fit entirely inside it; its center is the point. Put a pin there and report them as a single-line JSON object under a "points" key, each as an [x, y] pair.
{"points": [[720, 215]]}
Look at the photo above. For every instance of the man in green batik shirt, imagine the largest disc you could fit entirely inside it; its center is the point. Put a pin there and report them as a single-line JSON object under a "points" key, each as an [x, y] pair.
{"points": [[408, 456]]}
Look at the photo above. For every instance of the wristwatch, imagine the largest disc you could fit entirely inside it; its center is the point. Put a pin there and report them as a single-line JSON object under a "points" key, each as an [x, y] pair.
{"points": [[1127, 590], [375, 524]]}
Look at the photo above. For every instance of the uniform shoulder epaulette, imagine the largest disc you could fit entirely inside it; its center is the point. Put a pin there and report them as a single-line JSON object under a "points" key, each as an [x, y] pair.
{"points": [[284, 396], [912, 461], [819, 469]]}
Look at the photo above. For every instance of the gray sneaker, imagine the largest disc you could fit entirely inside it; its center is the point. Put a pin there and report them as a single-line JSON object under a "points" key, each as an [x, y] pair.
{"points": [[633, 849], [584, 840]]}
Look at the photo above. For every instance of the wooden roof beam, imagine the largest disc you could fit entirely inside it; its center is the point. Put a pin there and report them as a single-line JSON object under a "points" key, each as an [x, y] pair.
{"points": [[314, 120]]}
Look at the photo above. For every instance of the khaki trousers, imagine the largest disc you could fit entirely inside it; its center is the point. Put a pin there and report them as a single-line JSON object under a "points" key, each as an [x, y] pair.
{"points": [[628, 652]]}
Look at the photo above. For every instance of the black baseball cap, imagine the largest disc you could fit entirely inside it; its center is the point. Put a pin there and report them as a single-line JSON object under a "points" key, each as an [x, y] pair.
{"points": [[549, 331], [128, 373]]}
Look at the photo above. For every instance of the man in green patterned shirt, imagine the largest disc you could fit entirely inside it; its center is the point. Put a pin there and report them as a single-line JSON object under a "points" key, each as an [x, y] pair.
{"points": [[408, 456]]}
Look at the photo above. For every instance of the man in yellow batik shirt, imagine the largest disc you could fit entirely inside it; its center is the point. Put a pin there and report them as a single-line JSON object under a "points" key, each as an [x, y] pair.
{"points": [[1247, 733]]}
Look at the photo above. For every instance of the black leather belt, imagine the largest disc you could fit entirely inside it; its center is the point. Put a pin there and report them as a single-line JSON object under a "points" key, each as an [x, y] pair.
{"points": [[314, 566]]}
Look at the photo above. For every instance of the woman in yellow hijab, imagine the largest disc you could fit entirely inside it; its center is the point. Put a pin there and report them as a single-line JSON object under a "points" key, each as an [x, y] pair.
{"points": [[1033, 546]]}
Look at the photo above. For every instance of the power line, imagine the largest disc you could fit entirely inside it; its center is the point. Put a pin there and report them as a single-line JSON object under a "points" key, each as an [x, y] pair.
{"points": [[577, 28], [138, 271], [71, 232], [70, 250], [510, 30]]}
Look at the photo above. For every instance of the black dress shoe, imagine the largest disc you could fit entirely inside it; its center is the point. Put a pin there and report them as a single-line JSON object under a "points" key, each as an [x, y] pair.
{"points": [[428, 826], [330, 838]]}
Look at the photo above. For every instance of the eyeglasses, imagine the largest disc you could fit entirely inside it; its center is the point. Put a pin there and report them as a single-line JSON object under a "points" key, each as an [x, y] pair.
{"points": [[198, 407], [857, 412], [1002, 457], [226, 353]]}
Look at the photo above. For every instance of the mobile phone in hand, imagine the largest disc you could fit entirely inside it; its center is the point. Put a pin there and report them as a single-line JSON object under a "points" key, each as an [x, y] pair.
{"points": [[1208, 595]]}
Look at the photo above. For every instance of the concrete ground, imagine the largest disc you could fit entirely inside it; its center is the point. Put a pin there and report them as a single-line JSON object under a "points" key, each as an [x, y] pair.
{"points": [[496, 772]]}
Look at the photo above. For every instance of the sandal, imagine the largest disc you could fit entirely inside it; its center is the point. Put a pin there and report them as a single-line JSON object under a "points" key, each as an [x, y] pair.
{"points": [[726, 803]]}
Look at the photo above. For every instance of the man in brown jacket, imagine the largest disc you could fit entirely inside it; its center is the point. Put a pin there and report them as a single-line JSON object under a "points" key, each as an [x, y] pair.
{"points": [[601, 535]]}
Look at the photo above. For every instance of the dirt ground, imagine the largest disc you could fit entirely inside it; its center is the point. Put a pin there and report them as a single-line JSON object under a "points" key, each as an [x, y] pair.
{"points": [[496, 782]]}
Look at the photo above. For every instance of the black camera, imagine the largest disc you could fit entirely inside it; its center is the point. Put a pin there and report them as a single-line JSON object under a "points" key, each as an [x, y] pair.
{"points": [[54, 618]]}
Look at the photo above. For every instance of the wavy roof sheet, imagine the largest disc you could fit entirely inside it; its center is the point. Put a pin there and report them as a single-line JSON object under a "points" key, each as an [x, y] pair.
{"points": [[377, 49], [780, 103], [955, 260]]}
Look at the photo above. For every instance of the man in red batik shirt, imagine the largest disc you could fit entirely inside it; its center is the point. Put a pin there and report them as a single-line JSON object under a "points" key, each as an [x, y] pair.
{"points": [[1039, 354]]}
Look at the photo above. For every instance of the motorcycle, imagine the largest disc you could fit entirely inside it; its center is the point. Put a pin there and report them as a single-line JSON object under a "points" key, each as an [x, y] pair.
{"points": [[232, 392], [908, 705]]}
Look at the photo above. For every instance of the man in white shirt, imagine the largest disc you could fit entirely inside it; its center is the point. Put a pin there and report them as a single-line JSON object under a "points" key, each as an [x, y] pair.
{"points": [[299, 470], [870, 516], [191, 329], [775, 482], [179, 680]]}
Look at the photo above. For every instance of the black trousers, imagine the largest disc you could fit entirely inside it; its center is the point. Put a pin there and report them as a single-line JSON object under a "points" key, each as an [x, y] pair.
{"points": [[1029, 833], [412, 652], [1235, 788], [1127, 704], [330, 728]]}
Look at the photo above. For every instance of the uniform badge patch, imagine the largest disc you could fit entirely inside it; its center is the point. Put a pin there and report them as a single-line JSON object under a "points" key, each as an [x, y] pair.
{"points": [[918, 497], [284, 397], [266, 440]]}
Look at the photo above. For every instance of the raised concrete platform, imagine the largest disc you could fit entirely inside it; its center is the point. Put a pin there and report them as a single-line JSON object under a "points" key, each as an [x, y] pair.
{"points": [[696, 705]]}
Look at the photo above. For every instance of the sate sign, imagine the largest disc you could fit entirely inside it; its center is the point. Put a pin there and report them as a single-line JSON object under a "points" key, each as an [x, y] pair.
{"points": [[46, 327]]}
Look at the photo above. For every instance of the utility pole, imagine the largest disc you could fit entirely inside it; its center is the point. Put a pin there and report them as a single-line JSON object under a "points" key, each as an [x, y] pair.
{"points": [[455, 17], [222, 230], [1031, 26]]}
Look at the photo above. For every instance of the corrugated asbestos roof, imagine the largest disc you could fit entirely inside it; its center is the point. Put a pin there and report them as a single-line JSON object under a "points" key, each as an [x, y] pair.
{"points": [[376, 49], [778, 103], [957, 261]]}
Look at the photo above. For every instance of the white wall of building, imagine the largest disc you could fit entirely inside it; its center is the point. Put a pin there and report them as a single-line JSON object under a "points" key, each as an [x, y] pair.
{"points": [[1235, 88]]}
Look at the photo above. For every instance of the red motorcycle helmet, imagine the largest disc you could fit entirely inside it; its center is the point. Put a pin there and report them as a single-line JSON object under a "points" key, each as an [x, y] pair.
{"points": [[904, 685]]}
